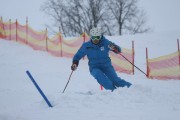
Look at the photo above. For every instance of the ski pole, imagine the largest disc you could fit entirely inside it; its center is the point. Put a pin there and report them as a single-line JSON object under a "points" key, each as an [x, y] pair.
{"points": [[132, 63], [68, 81]]}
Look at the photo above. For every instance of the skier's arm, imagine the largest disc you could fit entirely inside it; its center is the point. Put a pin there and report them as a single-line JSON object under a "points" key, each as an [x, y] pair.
{"points": [[113, 47], [80, 53]]}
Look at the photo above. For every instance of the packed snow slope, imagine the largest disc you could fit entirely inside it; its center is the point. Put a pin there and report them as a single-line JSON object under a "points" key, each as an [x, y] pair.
{"points": [[83, 100]]}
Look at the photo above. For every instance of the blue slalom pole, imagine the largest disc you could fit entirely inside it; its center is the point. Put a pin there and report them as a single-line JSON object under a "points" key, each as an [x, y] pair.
{"points": [[39, 89]]}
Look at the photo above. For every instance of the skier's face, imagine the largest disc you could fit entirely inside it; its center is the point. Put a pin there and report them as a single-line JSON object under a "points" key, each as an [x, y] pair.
{"points": [[95, 39]]}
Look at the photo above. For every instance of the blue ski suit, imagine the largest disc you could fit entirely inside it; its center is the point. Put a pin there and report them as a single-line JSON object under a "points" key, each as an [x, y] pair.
{"points": [[100, 63]]}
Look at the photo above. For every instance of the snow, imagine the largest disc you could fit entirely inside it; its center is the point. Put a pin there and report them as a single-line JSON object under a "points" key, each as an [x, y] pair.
{"points": [[83, 100]]}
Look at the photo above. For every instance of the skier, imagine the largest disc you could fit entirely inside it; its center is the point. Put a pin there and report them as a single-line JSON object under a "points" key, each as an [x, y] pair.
{"points": [[97, 51]]}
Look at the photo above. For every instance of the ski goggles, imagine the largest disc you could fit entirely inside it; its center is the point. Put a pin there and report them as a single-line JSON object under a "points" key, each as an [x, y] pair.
{"points": [[95, 37]]}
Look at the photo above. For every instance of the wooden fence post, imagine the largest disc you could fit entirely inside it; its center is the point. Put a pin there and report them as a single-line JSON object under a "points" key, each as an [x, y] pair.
{"points": [[3, 34], [133, 56], [147, 63], [46, 40], [26, 30], [10, 27], [178, 51], [16, 30], [61, 42]]}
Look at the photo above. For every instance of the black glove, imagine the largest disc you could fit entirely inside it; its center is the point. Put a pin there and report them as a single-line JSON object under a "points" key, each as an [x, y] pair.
{"points": [[114, 48], [74, 65]]}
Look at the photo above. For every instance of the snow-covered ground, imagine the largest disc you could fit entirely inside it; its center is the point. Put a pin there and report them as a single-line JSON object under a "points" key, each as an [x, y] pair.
{"points": [[83, 100]]}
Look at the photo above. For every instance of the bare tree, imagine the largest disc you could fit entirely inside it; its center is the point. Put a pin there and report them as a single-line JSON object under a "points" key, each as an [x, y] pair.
{"points": [[127, 16], [73, 17], [138, 25]]}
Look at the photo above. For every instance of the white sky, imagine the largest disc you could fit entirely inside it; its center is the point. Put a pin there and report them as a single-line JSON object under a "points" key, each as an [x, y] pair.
{"points": [[19, 9], [163, 15]]}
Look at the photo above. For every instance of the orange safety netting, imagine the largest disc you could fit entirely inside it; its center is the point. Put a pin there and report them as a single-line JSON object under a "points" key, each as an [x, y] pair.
{"points": [[165, 67], [1, 29], [8, 30], [37, 39], [57, 45], [122, 65]]}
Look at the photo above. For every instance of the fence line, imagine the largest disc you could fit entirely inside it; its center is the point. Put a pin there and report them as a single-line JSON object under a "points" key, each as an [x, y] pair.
{"points": [[164, 67], [57, 45]]}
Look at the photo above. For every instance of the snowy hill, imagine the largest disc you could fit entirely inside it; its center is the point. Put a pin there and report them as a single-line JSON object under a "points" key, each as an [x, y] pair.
{"points": [[145, 100]]}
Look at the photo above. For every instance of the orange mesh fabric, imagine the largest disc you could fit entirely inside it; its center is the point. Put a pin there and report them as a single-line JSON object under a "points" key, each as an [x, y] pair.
{"points": [[165, 67], [56, 45], [36, 39], [121, 64], [8, 30], [2, 33]]}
